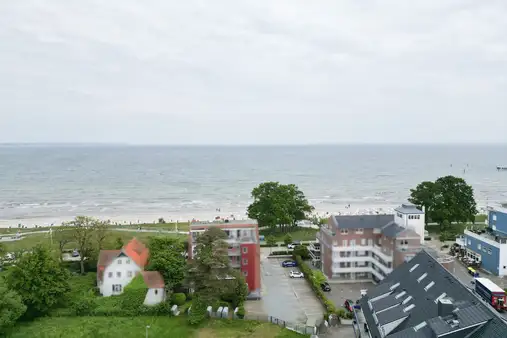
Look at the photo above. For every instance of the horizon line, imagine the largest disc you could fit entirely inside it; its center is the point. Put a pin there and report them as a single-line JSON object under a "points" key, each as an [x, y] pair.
{"points": [[125, 144]]}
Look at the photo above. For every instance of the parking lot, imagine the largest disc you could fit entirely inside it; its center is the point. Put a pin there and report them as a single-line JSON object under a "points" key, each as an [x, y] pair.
{"points": [[289, 299], [341, 292]]}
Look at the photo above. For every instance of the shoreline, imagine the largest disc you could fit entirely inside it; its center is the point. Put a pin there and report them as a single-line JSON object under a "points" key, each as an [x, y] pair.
{"points": [[152, 218], [126, 219]]}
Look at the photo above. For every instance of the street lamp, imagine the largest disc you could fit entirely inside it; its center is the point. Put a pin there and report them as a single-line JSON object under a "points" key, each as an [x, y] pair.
{"points": [[147, 327]]}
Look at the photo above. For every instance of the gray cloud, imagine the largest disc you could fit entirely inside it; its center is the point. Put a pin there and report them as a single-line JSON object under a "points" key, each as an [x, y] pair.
{"points": [[287, 71]]}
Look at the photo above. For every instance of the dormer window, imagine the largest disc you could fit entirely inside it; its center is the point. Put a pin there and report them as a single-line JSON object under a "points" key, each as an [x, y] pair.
{"points": [[128, 261], [359, 231], [119, 261], [344, 231]]}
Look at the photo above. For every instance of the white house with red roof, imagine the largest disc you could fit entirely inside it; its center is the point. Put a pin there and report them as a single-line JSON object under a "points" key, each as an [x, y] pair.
{"points": [[117, 268]]}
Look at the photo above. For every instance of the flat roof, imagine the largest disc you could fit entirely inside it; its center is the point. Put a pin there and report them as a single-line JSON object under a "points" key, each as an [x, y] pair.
{"points": [[489, 284], [407, 208]]}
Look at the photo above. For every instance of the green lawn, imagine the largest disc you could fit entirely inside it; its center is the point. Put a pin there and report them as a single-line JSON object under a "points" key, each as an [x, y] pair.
{"points": [[298, 234], [30, 241], [113, 327]]}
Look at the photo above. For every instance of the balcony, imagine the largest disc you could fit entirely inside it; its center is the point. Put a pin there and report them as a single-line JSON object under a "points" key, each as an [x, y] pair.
{"points": [[377, 250], [235, 263], [357, 259], [369, 269], [234, 251]]}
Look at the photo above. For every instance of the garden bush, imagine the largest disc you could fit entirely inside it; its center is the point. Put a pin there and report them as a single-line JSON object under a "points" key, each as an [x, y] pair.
{"points": [[178, 299], [241, 312], [280, 253]]}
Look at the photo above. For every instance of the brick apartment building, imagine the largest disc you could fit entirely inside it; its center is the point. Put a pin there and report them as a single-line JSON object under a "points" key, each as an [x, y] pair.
{"points": [[369, 247], [243, 251]]}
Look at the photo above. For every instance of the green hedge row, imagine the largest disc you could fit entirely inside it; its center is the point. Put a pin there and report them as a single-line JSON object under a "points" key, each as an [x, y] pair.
{"points": [[280, 253], [309, 275]]}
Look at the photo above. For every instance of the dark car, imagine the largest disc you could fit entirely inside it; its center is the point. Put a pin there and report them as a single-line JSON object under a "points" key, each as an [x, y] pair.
{"points": [[289, 263], [325, 286]]}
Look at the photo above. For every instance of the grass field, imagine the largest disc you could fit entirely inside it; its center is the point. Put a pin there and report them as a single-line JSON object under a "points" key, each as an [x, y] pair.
{"points": [[30, 241], [298, 234], [113, 327]]}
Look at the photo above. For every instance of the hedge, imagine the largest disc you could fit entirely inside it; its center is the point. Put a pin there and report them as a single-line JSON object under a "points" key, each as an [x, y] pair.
{"points": [[308, 273], [280, 253]]}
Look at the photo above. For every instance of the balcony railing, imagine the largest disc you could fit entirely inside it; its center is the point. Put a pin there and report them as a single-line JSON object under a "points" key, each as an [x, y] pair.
{"points": [[234, 252], [357, 269], [377, 250], [369, 259], [235, 263]]}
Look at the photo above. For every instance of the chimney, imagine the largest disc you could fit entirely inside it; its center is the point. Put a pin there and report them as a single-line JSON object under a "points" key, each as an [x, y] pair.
{"points": [[445, 307]]}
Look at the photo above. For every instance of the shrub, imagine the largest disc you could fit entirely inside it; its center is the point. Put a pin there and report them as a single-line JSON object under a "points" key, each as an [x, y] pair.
{"points": [[84, 306], [287, 239], [280, 253], [241, 312], [178, 299], [301, 251]]}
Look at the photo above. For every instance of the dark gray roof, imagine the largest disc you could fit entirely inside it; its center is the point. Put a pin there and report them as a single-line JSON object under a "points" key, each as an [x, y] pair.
{"points": [[408, 209], [470, 310], [387, 302], [495, 328], [362, 221], [380, 290], [392, 229], [389, 316]]}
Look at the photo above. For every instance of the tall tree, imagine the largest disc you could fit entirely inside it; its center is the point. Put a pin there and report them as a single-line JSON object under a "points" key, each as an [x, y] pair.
{"points": [[101, 231], [449, 199], [423, 196], [11, 308], [278, 204], [62, 237], [167, 257], [40, 281], [83, 234], [208, 270]]}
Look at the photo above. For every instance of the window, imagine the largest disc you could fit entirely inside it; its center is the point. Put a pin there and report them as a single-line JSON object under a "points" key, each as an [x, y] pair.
{"points": [[413, 268], [469, 242], [427, 287], [156, 291], [245, 250], [245, 261], [116, 287], [118, 274], [128, 261], [494, 217], [363, 241], [352, 242], [479, 246], [359, 231], [129, 274], [245, 273], [440, 297], [110, 274], [119, 261], [483, 249], [344, 231], [422, 277], [344, 242]]}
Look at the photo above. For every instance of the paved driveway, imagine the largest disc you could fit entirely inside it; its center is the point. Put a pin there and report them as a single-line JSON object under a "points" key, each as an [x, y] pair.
{"points": [[343, 291], [288, 299]]}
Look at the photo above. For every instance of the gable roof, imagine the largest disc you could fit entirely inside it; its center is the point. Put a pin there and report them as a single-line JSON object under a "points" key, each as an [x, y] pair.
{"points": [[392, 229], [362, 221], [381, 307], [407, 208], [137, 251], [153, 279], [105, 258]]}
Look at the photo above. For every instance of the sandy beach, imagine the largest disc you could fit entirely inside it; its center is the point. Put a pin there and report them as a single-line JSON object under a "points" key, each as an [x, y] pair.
{"points": [[204, 216]]}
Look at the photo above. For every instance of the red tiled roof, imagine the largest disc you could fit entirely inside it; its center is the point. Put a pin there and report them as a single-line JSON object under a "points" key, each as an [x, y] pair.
{"points": [[137, 251], [153, 279]]}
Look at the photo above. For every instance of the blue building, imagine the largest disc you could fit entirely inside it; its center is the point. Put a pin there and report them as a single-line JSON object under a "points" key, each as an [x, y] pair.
{"points": [[490, 247]]}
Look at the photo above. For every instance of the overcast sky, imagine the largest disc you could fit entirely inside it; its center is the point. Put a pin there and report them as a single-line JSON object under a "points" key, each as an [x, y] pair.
{"points": [[253, 71]]}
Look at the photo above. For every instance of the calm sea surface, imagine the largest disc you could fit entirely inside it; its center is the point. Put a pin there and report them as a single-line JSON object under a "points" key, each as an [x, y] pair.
{"points": [[64, 181]]}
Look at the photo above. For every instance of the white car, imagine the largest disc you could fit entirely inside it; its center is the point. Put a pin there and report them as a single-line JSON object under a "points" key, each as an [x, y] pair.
{"points": [[296, 274]]}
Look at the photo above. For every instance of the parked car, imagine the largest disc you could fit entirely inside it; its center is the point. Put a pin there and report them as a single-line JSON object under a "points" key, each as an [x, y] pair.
{"points": [[75, 253], [293, 245], [289, 263], [349, 305], [296, 274], [325, 287]]}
